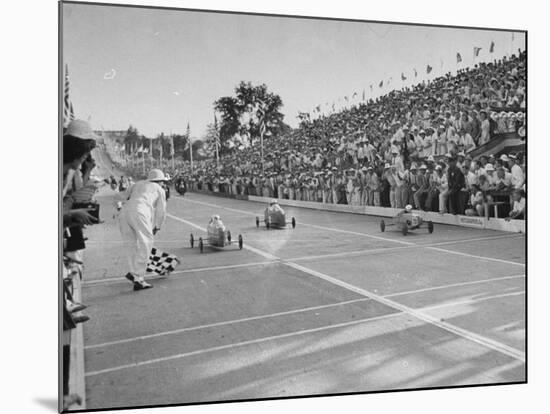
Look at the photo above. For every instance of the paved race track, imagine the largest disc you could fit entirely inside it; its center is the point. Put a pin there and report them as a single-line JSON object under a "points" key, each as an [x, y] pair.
{"points": [[332, 306]]}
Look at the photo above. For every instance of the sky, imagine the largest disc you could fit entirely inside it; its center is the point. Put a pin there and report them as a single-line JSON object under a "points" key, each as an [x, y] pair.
{"points": [[161, 69]]}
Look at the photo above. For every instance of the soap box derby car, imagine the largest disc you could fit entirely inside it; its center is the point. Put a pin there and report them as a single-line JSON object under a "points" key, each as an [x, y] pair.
{"points": [[275, 217], [216, 237], [406, 221]]}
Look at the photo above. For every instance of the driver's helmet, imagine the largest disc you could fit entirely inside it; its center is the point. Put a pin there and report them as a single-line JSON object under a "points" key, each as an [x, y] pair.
{"points": [[215, 217], [273, 201], [408, 208]]}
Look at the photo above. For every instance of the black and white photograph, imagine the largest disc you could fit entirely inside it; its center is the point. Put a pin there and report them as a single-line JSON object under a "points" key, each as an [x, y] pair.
{"points": [[265, 206]]}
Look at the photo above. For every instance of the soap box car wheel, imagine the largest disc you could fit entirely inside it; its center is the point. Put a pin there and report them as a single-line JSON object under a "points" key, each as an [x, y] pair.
{"points": [[201, 244], [404, 229], [430, 227], [229, 237], [240, 242], [382, 226], [293, 223], [192, 240], [257, 222]]}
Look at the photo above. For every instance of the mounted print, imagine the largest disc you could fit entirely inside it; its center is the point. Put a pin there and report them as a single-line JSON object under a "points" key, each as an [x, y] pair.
{"points": [[265, 206]]}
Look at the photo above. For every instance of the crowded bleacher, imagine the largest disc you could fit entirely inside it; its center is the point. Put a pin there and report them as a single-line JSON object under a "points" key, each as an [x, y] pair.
{"points": [[429, 145]]}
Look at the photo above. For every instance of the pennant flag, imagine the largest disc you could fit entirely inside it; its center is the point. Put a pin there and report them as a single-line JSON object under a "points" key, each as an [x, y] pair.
{"points": [[381, 83], [403, 77], [68, 110], [458, 58], [492, 47], [363, 94], [216, 132], [428, 69], [318, 107], [476, 51], [415, 73]]}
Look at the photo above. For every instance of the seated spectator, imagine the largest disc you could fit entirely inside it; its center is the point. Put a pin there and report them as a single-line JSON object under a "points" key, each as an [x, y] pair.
{"points": [[518, 209]]}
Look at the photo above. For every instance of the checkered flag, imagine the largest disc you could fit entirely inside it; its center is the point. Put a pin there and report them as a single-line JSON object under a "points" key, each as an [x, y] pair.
{"points": [[161, 263]]}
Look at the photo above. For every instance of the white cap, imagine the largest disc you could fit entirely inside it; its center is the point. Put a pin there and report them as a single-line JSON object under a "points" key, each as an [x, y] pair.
{"points": [[80, 129], [489, 167], [408, 207], [156, 175]]}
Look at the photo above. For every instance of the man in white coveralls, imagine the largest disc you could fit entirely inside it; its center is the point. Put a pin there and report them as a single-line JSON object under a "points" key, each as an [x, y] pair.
{"points": [[141, 217]]}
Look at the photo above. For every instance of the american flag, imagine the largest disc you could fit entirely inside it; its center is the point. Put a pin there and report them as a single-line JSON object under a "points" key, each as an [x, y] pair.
{"points": [[476, 51], [68, 111], [261, 117]]}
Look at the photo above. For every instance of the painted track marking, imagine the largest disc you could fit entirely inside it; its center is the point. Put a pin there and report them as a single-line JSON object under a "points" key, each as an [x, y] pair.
{"points": [[474, 282], [243, 343], [230, 322]]}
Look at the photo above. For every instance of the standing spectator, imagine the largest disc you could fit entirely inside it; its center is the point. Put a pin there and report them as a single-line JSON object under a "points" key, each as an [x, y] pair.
{"points": [[456, 182], [422, 191], [485, 128]]}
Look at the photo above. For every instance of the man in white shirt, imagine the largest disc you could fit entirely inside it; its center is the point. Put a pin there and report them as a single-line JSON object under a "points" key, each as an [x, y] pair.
{"points": [[518, 178], [141, 217]]}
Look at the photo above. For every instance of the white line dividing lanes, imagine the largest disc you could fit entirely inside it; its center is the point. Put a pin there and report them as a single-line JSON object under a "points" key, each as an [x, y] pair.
{"points": [[230, 322]]}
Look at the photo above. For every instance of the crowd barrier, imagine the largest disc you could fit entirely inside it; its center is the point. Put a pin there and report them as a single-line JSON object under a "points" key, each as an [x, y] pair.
{"points": [[514, 226]]}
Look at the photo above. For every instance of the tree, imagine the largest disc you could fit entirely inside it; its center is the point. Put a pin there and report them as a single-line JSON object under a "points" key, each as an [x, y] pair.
{"points": [[242, 115], [132, 140]]}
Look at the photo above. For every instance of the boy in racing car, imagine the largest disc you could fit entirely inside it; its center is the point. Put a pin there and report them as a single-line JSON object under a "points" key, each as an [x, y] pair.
{"points": [[408, 209], [215, 224], [275, 207]]}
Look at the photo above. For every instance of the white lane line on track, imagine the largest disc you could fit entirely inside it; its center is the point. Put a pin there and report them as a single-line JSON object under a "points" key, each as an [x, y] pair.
{"points": [[481, 340], [230, 322], [179, 272], [372, 236], [492, 259], [474, 282], [390, 249], [471, 301], [290, 312], [243, 343]]}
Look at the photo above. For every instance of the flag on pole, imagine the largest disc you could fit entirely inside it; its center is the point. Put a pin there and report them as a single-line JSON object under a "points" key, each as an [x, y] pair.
{"points": [[381, 83], [476, 51], [172, 152], [216, 132], [415, 73], [364, 94], [458, 58], [68, 110], [492, 47], [428, 69], [403, 77], [354, 94]]}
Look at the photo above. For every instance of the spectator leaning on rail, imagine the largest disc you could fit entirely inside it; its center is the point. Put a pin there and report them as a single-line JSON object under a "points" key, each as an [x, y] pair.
{"points": [[142, 215]]}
